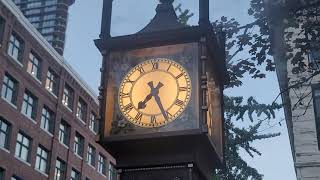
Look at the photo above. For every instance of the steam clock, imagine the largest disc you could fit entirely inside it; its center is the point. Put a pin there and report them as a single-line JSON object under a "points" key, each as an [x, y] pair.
{"points": [[161, 97]]}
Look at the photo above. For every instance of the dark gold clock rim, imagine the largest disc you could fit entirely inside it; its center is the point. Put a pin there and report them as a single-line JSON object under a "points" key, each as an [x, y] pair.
{"points": [[177, 114]]}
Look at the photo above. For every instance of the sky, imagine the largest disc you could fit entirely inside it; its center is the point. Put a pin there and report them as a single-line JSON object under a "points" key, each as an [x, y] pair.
{"points": [[130, 16]]}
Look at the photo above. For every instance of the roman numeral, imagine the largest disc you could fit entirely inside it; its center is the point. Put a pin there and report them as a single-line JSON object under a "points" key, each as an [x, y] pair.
{"points": [[128, 107], [155, 65], [180, 75], [179, 103], [138, 117], [141, 70], [153, 119], [169, 115], [128, 81], [183, 88], [169, 66], [124, 95]]}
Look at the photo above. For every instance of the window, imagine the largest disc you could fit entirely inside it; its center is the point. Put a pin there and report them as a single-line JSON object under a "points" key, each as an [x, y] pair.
{"points": [[33, 5], [93, 124], [9, 89], [47, 30], [52, 82], [75, 175], [67, 98], [47, 120], [81, 110], [78, 144], [49, 17], [102, 164], [112, 172], [91, 155], [49, 38], [14, 177], [50, 2], [64, 133], [1, 174], [48, 23], [36, 24], [32, 11], [60, 172], [29, 105], [2, 28], [34, 19], [23, 147], [42, 160], [4, 134], [15, 47], [34, 66], [52, 8]]}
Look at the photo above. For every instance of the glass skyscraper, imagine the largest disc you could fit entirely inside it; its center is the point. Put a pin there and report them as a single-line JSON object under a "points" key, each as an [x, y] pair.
{"points": [[49, 17]]}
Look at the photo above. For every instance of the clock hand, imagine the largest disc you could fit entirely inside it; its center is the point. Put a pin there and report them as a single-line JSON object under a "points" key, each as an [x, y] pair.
{"points": [[157, 98], [142, 104]]}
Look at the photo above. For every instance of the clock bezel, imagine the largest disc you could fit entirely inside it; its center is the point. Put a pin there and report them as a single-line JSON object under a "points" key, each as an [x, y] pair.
{"points": [[177, 114]]}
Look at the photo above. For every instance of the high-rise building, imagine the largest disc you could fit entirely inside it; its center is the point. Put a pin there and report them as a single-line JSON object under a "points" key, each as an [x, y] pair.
{"points": [[48, 115], [49, 17], [301, 98]]}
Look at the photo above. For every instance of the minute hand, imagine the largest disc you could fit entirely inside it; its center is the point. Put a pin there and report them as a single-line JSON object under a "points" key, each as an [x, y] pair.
{"points": [[157, 98]]}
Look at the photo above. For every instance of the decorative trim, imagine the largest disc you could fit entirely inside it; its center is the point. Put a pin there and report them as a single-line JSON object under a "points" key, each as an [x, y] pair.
{"points": [[43, 173], [203, 82], [10, 103], [155, 168], [63, 145], [32, 120], [23, 161], [35, 78], [4, 149]]}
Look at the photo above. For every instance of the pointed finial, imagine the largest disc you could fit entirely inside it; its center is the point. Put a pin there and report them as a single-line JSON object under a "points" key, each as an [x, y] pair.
{"points": [[166, 1]]}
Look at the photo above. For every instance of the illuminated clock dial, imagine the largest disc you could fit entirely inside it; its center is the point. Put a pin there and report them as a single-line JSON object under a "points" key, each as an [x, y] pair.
{"points": [[154, 92]]}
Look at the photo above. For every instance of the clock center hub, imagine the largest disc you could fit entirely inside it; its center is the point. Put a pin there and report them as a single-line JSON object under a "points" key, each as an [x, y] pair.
{"points": [[147, 85]]}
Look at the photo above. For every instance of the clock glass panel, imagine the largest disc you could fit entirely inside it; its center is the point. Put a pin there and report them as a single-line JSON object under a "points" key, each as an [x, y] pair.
{"points": [[154, 93]]}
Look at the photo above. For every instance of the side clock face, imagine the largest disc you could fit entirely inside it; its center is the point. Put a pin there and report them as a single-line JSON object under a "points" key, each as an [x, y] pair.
{"points": [[154, 93]]}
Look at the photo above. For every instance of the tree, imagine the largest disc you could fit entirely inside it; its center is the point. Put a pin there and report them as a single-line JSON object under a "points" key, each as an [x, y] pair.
{"points": [[269, 44]]}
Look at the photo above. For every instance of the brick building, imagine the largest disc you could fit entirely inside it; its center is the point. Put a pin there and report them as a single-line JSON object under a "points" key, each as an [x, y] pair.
{"points": [[48, 115]]}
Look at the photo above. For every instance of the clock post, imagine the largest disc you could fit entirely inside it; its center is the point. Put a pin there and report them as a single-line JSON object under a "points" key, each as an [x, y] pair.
{"points": [[161, 97]]}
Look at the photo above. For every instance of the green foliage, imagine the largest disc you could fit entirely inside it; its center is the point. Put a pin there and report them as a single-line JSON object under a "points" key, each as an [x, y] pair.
{"points": [[253, 38], [257, 40], [184, 15]]}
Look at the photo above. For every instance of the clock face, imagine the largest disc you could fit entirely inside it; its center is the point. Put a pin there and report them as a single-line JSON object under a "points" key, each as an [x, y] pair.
{"points": [[154, 93]]}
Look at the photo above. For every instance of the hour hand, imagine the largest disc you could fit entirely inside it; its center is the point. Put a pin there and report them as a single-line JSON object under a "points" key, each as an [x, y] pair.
{"points": [[142, 104]]}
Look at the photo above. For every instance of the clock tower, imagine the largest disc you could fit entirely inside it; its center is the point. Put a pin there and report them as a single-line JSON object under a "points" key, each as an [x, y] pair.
{"points": [[161, 97]]}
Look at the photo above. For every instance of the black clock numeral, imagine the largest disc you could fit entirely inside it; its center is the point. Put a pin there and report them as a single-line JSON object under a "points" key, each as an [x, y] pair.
{"points": [[155, 65], [179, 76], [128, 81], [169, 115], [141, 70], [124, 95], [183, 88], [169, 66], [153, 120], [128, 107], [179, 103], [138, 117]]}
